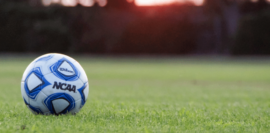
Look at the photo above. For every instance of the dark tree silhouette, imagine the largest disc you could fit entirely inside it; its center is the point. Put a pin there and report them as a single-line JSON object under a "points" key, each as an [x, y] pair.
{"points": [[252, 7], [224, 16]]}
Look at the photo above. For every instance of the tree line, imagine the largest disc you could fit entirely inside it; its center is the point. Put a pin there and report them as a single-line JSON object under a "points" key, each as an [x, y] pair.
{"points": [[218, 27]]}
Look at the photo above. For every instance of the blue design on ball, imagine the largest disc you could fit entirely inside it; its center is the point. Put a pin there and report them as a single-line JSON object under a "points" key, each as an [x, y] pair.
{"points": [[54, 70], [55, 96], [35, 109], [45, 58], [82, 94], [34, 92]]}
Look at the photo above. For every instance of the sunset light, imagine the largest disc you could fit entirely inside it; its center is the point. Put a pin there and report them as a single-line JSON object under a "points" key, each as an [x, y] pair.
{"points": [[165, 2], [89, 3], [155, 2]]}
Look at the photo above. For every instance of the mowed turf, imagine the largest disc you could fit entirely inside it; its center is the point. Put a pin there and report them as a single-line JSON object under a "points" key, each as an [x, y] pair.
{"points": [[150, 95]]}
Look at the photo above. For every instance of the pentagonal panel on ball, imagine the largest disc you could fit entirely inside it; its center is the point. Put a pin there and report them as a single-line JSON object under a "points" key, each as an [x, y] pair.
{"points": [[34, 83], [60, 103], [65, 70]]}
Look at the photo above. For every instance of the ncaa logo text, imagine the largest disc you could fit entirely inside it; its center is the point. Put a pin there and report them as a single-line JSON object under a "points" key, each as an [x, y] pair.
{"points": [[64, 86]]}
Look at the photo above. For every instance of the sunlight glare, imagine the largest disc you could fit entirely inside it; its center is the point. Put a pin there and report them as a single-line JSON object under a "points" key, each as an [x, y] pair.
{"points": [[102, 3], [70, 3], [87, 3], [154, 2], [145, 2], [46, 2], [56, 1], [165, 2], [197, 2]]}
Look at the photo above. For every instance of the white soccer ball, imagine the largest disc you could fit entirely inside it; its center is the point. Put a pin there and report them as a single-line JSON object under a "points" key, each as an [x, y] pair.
{"points": [[54, 84]]}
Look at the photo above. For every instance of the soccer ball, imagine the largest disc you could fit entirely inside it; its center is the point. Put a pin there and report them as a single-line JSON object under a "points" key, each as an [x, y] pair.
{"points": [[54, 84]]}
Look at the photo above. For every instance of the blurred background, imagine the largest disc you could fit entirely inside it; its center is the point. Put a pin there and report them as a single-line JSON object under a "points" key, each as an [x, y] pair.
{"points": [[136, 27]]}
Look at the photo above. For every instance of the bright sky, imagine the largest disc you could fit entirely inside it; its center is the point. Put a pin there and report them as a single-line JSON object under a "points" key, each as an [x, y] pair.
{"points": [[103, 2]]}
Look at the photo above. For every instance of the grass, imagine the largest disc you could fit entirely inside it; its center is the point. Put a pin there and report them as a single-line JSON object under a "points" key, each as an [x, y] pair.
{"points": [[149, 95]]}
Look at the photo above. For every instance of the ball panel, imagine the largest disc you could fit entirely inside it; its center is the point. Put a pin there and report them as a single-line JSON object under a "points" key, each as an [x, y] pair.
{"points": [[33, 63], [35, 82], [83, 90], [76, 85], [38, 104], [27, 70], [60, 103], [77, 107], [62, 86], [52, 78], [44, 65], [83, 76], [34, 110], [57, 85], [78, 66], [65, 70]]}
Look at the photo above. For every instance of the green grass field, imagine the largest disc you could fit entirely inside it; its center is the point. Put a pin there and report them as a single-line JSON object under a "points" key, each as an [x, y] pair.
{"points": [[150, 95]]}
